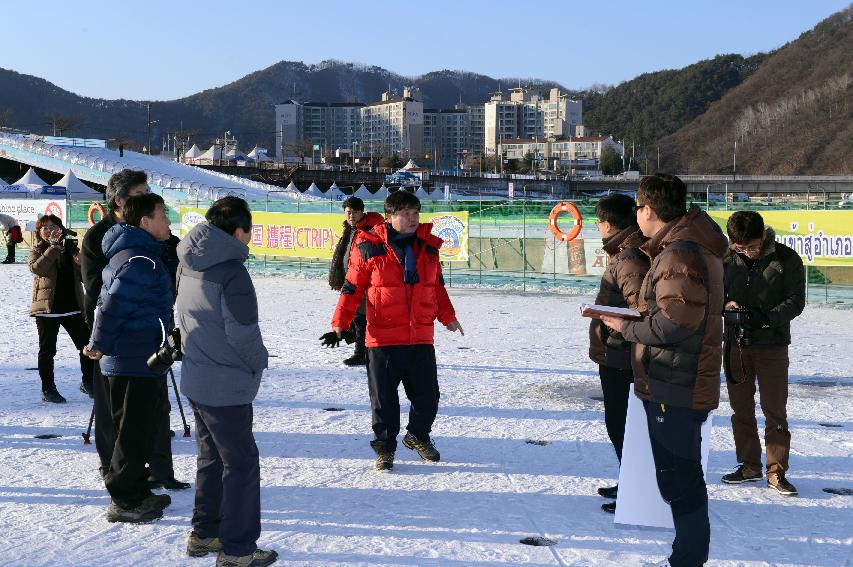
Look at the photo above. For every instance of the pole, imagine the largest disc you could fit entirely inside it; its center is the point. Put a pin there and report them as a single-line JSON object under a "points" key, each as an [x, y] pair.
{"points": [[87, 435], [149, 128], [180, 405], [734, 162]]}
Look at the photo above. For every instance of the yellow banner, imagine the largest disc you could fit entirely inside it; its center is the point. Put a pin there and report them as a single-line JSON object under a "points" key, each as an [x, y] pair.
{"points": [[821, 238], [311, 235]]}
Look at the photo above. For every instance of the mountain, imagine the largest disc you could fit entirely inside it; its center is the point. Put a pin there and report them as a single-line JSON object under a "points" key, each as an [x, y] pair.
{"points": [[657, 104], [244, 107], [791, 116]]}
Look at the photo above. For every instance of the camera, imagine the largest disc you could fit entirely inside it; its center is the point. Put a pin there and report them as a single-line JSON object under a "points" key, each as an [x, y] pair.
{"points": [[67, 234], [736, 317], [167, 354]]}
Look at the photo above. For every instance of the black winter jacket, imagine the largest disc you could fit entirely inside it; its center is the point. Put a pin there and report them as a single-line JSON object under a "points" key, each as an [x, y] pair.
{"points": [[773, 289]]}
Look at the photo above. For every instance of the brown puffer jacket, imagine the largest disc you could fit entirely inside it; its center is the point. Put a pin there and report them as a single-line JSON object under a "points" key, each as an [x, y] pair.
{"points": [[44, 264], [620, 287], [678, 344]]}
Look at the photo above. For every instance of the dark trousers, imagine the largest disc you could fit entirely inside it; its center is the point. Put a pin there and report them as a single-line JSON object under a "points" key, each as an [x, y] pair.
{"points": [[105, 431], [768, 365], [615, 385], [10, 251], [48, 331], [134, 403], [414, 366], [676, 438], [359, 323], [228, 481]]}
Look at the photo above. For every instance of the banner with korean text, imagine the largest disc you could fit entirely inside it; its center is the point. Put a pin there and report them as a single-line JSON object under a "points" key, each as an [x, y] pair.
{"points": [[311, 235], [821, 238]]}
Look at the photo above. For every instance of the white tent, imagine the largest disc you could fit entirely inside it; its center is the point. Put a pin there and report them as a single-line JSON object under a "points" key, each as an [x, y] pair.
{"points": [[258, 155], [235, 154], [422, 194], [76, 189], [31, 180], [215, 153], [334, 193], [193, 152], [314, 191], [292, 187], [364, 193], [381, 193]]}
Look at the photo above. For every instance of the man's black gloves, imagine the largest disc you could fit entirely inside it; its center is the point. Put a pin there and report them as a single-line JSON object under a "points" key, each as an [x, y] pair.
{"points": [[332, 340], [757, 320]]}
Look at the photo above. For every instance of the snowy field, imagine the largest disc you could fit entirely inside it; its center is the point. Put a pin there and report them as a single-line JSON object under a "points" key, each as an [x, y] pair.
{"points": [[520, 373]]}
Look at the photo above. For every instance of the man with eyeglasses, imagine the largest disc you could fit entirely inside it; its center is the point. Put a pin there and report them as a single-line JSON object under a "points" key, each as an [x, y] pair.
{"points": [[677, 351], [765, 280]]}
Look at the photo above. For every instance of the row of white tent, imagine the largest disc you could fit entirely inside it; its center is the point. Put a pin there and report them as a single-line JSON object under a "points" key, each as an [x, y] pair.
{"points": [[334, 193], [215, 152], [31, 185]]}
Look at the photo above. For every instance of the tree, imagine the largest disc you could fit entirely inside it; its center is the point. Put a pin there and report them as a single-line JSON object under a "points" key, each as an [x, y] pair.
{"points": [[610, 163], [7, 117], [63, 123]]}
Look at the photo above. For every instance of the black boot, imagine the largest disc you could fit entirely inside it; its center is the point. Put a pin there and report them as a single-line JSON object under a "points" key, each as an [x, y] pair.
{"points": [[359, 357]]}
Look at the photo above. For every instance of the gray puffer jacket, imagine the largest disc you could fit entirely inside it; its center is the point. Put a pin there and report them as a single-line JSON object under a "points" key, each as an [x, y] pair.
{"points": [[217, 312]]}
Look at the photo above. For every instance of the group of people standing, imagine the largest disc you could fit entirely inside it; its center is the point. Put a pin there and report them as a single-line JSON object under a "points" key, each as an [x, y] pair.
{"points": [[674, 266]]}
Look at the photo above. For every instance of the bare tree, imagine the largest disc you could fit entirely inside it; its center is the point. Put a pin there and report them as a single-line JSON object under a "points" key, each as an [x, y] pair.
{"points": [[63, 123]]}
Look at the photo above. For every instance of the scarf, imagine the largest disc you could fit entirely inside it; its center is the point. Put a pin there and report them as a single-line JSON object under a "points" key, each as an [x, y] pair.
{"points": [[405, 243]]}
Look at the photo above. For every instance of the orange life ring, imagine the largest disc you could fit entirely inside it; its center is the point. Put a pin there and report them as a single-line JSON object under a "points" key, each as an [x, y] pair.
{"points": [[95, 207], [560, 208]]}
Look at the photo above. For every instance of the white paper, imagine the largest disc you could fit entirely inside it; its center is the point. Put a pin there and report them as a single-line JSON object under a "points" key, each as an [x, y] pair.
{"points": [[639, 501]]}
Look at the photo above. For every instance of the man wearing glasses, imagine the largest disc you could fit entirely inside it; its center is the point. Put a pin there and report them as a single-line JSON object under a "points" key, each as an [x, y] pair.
{"points": [[677, 351], [765, 281]]}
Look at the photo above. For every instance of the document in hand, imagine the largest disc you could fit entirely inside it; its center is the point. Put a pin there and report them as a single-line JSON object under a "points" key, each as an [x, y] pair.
{"points": [[596, 311]]}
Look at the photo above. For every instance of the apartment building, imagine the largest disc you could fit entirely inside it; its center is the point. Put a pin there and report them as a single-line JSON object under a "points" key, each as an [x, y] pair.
{"points": [[525, 114]]}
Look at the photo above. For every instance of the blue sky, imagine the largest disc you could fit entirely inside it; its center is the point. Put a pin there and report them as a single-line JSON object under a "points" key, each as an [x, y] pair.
{"points": [[161, 50]]}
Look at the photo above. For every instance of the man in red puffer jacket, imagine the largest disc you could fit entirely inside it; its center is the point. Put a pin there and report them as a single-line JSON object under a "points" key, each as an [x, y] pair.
{"points": [[397, 265]]}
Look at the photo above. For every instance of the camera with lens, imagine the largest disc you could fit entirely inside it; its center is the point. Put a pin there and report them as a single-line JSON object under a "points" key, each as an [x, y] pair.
{"points": [[167, 354], [737, 318], [66, 234]]}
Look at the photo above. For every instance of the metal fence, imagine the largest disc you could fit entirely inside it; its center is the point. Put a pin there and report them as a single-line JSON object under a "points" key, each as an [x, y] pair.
{"points": [[510, 245]]}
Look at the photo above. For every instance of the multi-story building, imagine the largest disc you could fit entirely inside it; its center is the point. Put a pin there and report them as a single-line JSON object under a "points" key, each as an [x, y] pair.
{"points": [[327, 125], [526, 114], [393, 126], [561, 153], [446, 136]]}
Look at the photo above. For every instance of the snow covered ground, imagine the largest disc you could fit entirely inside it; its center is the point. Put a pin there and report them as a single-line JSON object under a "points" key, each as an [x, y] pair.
{"points": [[520, 373]]}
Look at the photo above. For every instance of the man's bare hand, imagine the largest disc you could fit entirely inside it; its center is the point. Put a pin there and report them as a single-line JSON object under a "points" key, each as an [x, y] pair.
{"points": [[93, 353], [615, 323], [338, 331], [455, 326], [731, 305]]}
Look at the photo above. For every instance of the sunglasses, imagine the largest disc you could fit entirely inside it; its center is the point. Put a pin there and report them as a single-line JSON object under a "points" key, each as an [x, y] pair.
{"points": [[636, 208]]}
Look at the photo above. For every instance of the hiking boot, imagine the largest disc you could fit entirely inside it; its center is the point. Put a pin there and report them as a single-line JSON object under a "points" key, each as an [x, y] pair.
{"points": [[259, 558], [355, 360], [86, 388], [52, 396], [426, 449], [609, 507], [147, 511], [201, 546], [160, 500], [384, 462], [170, 483], [741, 475], [778, 482], [608, 491]]}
